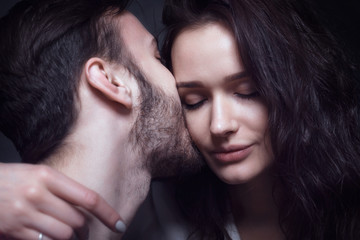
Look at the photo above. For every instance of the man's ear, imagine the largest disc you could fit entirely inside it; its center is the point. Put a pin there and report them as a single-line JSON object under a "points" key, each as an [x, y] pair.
{"points": [[103, 77]]}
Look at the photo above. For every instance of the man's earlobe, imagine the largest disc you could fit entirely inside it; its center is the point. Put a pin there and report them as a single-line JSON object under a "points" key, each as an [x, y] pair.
{"points": [[100, 75]]}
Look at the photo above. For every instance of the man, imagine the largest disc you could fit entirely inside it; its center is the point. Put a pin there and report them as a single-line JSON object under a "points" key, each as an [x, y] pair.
{"points": [[82, 89]]}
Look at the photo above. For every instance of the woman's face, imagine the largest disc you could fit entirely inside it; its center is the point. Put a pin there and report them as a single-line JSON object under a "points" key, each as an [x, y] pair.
{"points": [[225, 115]]}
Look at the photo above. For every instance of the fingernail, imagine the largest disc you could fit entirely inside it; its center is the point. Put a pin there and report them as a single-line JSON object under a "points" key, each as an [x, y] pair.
{"points": [[120, 226]]}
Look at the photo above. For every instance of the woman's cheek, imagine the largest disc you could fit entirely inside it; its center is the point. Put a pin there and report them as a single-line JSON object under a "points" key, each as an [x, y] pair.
{"points": [[197, 128]]}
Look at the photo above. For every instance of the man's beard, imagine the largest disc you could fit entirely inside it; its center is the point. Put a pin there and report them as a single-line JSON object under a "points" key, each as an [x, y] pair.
{"points": [[160, 134]]}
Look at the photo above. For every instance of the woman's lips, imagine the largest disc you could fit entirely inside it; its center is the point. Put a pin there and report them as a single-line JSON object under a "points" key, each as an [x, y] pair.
{"points": [[233, 155]]}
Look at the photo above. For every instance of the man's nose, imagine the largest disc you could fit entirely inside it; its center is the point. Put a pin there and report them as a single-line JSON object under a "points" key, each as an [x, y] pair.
{"points": [[222, 119]]}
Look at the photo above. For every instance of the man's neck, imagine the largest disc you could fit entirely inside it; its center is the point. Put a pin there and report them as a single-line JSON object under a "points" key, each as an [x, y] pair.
{"points": [[112, 171]]}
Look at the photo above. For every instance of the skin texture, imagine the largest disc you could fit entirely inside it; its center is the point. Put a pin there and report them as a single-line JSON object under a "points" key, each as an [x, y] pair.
{"points": [[225, 116]]}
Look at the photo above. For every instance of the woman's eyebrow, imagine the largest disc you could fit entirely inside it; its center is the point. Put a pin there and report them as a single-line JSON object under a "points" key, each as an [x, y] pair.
{"points": [[190, 84], [236, 76], [196, 84]]}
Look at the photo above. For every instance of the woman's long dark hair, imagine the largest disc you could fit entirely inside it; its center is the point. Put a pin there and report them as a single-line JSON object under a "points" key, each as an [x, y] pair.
{"points": [[312, 96]]}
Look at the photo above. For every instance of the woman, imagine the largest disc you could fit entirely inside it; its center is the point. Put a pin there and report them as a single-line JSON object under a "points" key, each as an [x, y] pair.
{"points": [[271, 103]]}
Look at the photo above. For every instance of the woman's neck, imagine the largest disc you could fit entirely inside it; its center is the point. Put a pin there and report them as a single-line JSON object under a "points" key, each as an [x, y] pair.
{"points": [[254, 208]]}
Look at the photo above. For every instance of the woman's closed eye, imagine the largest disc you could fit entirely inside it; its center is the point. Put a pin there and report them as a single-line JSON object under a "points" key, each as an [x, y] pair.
{"points": [[194, 105], [192, 102], [248, 96]]}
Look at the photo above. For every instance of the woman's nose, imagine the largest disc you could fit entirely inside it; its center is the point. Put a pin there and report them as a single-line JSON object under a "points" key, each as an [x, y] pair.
{"points": [[222, 120]]}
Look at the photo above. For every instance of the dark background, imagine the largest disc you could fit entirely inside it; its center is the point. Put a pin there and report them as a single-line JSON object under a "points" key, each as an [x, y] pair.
{"points": [[341, 17]]}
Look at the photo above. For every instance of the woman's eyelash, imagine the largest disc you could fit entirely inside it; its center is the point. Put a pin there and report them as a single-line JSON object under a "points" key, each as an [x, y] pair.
{"points": [[200, 103], [193, 106], [248, 96]]}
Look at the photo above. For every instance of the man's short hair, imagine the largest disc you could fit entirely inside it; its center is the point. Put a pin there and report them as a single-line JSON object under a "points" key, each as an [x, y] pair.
{"points": [[43, 46]]}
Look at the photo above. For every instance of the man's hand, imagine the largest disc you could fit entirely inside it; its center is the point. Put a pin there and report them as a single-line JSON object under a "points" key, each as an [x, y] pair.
{"points": [[37, 199]]}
